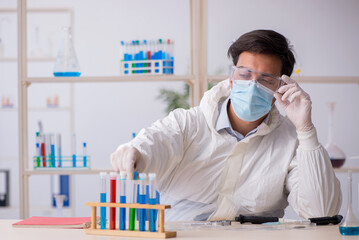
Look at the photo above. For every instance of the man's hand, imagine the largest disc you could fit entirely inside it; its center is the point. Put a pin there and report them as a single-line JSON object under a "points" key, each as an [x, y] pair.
{"points": [[127, 159], [296, 103]]}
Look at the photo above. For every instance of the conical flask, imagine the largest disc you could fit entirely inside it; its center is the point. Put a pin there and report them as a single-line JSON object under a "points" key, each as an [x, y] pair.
{"points": [[67, 64], [349, 224], [336, 155]]}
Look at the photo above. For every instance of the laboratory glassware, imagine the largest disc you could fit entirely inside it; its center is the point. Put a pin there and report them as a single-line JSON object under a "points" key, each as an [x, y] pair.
{"points": [[153, 200], [85, 154], [350, 223], [133, 196], [103, 176], [113, 179], [73, 150], [67, 64], [59, 149], [142, 197], [60, 199], [52, 147], [336, 155], [122, 200], [38, 151]]}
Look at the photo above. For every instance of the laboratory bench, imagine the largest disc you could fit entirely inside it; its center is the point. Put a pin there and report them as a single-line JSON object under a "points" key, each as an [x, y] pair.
{"points": [[186, 230]]}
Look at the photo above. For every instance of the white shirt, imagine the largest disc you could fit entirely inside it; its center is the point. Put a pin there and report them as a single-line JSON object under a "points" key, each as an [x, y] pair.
{"points": [[223, 123]]}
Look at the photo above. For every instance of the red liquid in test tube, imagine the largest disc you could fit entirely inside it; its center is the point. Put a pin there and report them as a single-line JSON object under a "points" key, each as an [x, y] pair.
{"points": [[43, 154], [113, 200]]}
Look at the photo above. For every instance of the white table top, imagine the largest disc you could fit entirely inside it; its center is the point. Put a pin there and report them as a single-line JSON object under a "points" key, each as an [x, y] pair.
{"points": [[184, 231]]}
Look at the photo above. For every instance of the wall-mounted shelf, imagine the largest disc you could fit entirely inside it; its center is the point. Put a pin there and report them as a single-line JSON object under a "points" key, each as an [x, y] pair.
{"points": [[139, 78], [346, 169], [39, 109], [65, 171], [304, 79], [40, 59]]}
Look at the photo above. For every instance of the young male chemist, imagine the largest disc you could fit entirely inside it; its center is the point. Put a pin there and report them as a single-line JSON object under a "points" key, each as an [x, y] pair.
{"points": [[235, 153]]}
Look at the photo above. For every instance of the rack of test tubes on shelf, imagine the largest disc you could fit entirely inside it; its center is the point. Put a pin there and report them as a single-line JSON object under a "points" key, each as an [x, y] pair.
{"points": [[138, 199], [147, 57], [47, 158]]}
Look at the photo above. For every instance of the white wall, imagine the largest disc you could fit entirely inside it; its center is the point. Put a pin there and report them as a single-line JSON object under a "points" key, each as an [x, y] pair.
{"points": [[324, 35]]}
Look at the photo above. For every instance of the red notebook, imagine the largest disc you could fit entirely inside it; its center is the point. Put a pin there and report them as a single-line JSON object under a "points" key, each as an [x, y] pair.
{"points": [[55, 222]]}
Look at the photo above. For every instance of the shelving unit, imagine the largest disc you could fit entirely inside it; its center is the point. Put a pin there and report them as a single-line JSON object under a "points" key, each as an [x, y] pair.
{"points": [[197, 81], [24, 172]]}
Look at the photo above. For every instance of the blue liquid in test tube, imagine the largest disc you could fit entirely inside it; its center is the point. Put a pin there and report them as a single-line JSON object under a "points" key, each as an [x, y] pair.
{"points": [[52, 150], [59, 152], [142, 198], [73, 150], [85, 154], [122, 200], [103, 176], [153, 201]]}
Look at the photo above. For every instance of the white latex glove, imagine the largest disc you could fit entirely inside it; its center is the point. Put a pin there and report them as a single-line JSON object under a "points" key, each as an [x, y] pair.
{"points": [[296, 103], [128, 159]]}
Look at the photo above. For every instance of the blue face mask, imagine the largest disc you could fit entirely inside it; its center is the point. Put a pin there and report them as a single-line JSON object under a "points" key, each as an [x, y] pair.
{"points": [[249, 101]]}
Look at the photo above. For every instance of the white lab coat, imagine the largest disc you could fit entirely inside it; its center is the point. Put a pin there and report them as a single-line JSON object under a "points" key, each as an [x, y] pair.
{"points": [[202, 173]]}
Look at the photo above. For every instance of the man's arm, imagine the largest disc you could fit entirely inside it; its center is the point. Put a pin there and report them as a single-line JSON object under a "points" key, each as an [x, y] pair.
{"points": [[314, 190], [158, 148]]}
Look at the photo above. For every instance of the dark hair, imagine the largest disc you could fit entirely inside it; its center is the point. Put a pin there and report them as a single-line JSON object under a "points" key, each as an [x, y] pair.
{"points": [[264, 42]]}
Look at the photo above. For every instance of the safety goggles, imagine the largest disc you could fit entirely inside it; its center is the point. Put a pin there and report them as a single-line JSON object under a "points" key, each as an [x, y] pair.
{"points": [[265, 81]]}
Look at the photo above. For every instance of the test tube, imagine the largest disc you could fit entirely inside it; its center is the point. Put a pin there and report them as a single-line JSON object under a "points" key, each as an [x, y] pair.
{"points": [[153, 201], [85, 154], [113, 200], [103, 176], [133, 200], [142, 201], [38, 151], [123, 51], [73, 150], [48, 149], [59, 151], [52, 145], [43, 151], [122, 200]]}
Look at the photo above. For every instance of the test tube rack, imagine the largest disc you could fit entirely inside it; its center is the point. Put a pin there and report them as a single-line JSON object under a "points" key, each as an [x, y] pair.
{"points": [[61, 162], [161, 233], [160, 66]]}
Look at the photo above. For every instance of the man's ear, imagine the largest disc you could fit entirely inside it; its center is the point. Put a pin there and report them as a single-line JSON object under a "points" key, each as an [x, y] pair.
{"points": [[230, 83]]}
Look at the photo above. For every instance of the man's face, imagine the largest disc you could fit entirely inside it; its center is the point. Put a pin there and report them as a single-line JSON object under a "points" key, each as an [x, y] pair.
{"points": [[264, 63]]}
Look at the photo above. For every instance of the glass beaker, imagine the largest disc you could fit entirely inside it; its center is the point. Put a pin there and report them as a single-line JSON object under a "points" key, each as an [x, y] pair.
{"points": [[67, 64], [59, 199], [336, 155], [349, 224]]}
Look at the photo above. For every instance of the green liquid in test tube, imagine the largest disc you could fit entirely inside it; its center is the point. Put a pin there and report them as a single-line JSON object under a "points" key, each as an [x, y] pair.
{"points": [[133, 199], [38, 152]]}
